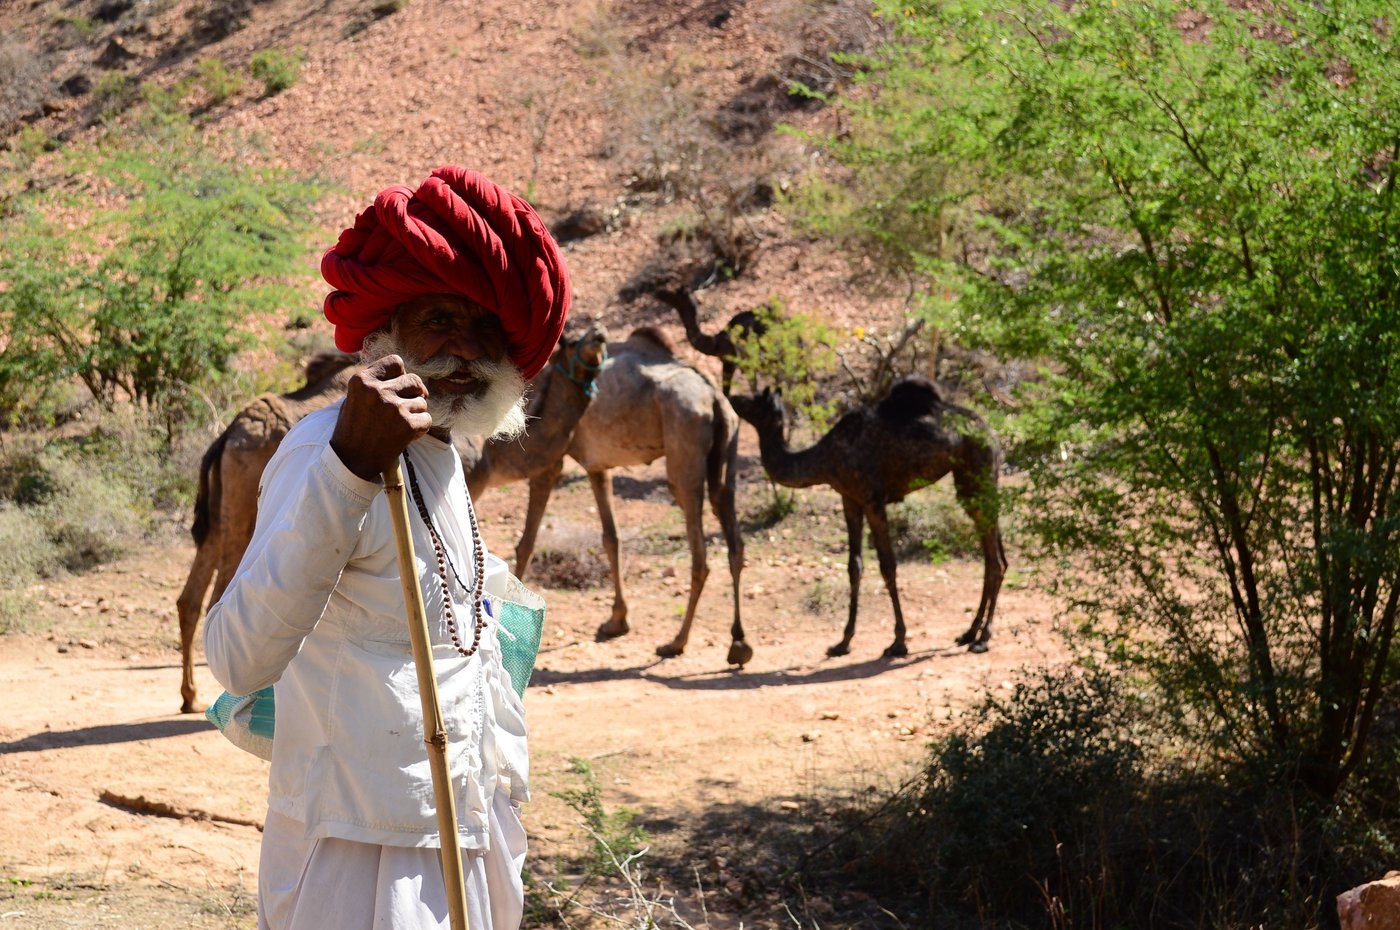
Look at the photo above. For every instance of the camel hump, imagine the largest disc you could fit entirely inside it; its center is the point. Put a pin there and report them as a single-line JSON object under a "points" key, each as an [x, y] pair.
{"points": [[265, 419], [911, 398], [325, 364], [656, 337]]}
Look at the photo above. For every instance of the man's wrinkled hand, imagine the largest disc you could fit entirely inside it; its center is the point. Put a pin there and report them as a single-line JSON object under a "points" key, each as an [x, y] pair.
{"points": [[385, 409]]}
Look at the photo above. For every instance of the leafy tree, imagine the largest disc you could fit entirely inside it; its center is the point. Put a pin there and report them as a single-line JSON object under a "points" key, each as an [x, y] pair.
{"points": [[144, 297], [789, 351], [1188, 210]]}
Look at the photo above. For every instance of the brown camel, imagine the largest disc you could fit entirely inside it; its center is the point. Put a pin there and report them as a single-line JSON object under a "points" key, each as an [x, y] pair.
{"points": [[649, 405], [226, 505], [555, 413], [723, 345], [875, 456]]}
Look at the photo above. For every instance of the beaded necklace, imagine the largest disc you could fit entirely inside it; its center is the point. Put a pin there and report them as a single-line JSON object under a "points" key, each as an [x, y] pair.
{"points": [[444, 565]]}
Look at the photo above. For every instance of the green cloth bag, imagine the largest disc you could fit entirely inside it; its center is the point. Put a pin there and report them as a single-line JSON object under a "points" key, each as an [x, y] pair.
{"points": [[248, 720]]}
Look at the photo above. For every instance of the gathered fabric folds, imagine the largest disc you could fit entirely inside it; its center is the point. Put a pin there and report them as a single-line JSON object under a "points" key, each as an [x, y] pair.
{"points": [[458, 233]]}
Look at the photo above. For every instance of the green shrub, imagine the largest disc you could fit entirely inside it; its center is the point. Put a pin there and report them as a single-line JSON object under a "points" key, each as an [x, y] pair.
{"points": [[142, 301], [276, 69], [26, 550], [17, 610], [788, 351], [218, 82], [67, 512], [1193, 232], [614, 835], [113, 94]]}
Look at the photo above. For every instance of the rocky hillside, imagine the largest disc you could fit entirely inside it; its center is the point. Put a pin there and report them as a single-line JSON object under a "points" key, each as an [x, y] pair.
{"points": [[647, 133]]}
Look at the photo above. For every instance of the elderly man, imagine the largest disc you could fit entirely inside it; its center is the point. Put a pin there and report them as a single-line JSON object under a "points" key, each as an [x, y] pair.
{"points": [[456, 294]]}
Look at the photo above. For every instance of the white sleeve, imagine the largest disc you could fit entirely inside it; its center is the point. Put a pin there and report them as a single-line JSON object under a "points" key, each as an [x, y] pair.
{"points": [[310, 514]]}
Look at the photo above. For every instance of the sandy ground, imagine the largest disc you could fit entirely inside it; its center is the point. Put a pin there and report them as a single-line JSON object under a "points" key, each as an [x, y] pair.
{"points": [[90, 734]]}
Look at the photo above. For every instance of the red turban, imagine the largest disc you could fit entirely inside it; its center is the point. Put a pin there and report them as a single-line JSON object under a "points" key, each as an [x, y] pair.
{"points": [[457, 234]]}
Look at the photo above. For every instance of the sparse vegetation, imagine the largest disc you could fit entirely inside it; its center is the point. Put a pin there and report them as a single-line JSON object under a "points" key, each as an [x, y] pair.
{"points": [[218, 82], [113, 94], [931, 525], [276, 69], [138, 304], [23, 82]]}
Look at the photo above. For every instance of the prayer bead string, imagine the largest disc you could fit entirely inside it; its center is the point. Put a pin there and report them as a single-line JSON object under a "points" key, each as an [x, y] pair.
{"points": [[475, 590]]}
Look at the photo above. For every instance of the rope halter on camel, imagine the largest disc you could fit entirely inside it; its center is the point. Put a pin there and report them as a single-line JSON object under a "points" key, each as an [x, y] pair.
{"points": [[589, 385]]}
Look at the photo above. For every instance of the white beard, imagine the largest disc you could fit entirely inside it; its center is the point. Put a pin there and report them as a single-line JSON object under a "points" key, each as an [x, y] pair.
{"points": [[496, 413]]}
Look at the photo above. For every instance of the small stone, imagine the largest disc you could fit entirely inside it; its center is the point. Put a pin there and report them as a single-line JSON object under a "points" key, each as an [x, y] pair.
{"points": [[811, 736], [830, 715], [62, 647]]}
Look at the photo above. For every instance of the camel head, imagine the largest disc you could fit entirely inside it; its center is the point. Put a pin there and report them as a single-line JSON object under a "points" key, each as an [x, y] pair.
{"points": [[764, 412], [582, 358]]}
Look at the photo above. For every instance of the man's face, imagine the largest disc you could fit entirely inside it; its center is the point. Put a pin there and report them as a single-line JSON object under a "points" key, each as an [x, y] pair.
{"points": [[459, 350]]}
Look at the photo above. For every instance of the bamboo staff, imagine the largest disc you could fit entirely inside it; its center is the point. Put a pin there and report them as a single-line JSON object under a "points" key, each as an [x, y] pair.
{"points": [[434, 730]]}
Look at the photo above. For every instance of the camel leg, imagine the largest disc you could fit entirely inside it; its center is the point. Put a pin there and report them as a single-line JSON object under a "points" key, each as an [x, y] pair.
{"points": [[884, 550], [722, 503], [602, 495], [970, 491], [541, 486], [993, 572], [692, 500], [189, 606], [855, 523]]}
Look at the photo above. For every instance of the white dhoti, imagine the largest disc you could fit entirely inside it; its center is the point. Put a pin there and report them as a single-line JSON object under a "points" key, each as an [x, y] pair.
{"points": [[333, 883]]}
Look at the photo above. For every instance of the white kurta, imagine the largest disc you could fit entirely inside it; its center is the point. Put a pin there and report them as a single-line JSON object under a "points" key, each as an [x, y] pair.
{"points": [[316, 607]]}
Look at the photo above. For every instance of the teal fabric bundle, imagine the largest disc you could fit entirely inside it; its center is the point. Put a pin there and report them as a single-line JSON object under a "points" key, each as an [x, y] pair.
{"points": [[249, 720]]}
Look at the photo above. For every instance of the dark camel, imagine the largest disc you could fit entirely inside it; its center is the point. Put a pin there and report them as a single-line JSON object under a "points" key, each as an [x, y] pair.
{"points": [[226, 504], [875, 456], [723, 345], [649, 405]]}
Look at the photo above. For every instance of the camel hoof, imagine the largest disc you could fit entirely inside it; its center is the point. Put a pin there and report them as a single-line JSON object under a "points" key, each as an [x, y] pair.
{"points": [[191, 708], [978, 647], [613, 629], [965, 639], [840, 649], [896, 651], [740, 653], [670, 650]]}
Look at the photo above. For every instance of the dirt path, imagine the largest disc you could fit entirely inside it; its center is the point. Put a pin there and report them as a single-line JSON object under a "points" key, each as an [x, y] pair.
{"points": [[89, 707]]}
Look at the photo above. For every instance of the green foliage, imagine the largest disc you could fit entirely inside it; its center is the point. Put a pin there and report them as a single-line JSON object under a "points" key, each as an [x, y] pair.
{"points": [[276, 69], [113, 94], [931, 524], [1195, 228], [64, 513], [84, 27], [788, 352], [614, 836], [218, 82], [143, 300], [1049, 807], [29, 143]]}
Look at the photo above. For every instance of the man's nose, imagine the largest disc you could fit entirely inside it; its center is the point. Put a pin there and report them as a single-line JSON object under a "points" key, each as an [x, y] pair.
{"points": [[466, 346]]}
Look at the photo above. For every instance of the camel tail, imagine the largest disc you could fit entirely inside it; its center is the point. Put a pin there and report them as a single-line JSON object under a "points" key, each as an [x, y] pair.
{"points": [[208, 488]]}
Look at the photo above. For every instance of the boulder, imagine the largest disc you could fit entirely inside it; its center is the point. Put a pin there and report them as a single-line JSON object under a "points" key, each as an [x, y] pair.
{"points": [[1372, 906]]}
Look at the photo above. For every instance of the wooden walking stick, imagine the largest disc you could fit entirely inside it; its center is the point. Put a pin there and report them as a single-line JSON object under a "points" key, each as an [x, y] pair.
{"points": [[434, 730]]}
